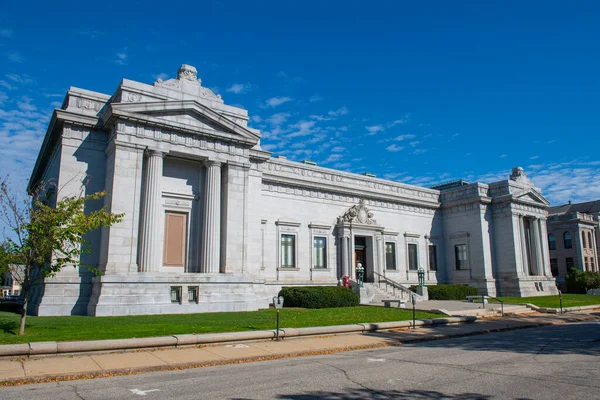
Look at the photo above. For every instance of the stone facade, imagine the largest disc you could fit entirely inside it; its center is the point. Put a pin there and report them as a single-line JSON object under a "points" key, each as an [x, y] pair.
{"points": [[214, 223], [573, 238]]}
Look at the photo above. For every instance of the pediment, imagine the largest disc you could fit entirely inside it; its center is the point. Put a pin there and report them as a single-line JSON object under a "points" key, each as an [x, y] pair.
{"points": [[532, 196], [186, 115]]}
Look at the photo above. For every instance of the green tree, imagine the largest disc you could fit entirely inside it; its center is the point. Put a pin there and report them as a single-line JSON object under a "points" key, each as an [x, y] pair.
{"points": [[42, 238]]}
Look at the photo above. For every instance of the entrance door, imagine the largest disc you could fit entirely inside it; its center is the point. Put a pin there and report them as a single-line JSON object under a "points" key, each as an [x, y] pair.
{"points": [[360, 255]]}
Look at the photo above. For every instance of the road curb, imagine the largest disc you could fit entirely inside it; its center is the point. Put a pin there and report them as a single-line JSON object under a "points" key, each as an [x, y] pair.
{"points": [[90, 346], [182, 366]]}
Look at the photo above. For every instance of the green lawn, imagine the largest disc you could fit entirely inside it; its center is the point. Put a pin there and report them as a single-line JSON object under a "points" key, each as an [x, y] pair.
{"points": [[39, 329], [569, 300]]}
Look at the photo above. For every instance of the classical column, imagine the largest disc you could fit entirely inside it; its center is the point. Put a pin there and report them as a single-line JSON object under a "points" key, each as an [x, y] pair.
{"points": [[344, 256], [525, 270], [211, 229], [539, 258], [151, 237], [545, 250]]}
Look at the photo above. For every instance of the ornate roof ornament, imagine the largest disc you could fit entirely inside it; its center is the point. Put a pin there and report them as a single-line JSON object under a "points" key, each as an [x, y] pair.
{"points": [[518, 175], [189, 73], [359, 214], [187, 80]]}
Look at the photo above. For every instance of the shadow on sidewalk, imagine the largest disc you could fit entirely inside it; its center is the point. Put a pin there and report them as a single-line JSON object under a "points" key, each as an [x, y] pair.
{"points": [[555, 339], [352, 394]]}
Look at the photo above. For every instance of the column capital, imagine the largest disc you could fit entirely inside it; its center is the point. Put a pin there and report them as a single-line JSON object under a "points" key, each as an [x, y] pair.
{"points": [[213, 163], [155, 153]]}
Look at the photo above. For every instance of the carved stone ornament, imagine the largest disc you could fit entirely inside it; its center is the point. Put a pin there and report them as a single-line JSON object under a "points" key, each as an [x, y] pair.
{"points": [[189, 73], [358, 214], [518, 175]]}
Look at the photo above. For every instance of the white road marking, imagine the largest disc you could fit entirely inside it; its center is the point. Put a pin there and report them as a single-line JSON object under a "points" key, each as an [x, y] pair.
{"points": [[143, 392], [237, 346], [375, 359]]}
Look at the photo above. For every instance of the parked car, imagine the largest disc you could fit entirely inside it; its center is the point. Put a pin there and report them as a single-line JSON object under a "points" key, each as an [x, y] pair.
{"points": [[11, 299]]}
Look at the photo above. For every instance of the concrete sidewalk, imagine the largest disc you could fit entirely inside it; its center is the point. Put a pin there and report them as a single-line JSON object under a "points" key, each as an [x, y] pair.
{"points": [[53, 368]]}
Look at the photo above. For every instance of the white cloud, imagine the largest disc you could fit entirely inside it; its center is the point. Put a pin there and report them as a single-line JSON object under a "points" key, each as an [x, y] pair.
{"points": [[278, 119], [276, 101], [338, 112], [121, 57], [239, 88], [302, 128], [374, 129], [503, 155], [534, 157], [256, 118], [3, 97], [6, 33], [15, 57], [419, 151], [394, 148], [400, 138], [162, 75], [7, 85], [332, 158], [24, 104], [91, 33], [338, 149], [344, 165], [21, 79], [315, 97], [414, 143]]}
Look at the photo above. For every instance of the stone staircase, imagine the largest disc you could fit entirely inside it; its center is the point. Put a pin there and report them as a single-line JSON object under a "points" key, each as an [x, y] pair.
{"points": [[385, 292]]}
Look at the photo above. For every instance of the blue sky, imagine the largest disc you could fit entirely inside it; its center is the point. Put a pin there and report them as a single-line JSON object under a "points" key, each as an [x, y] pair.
{"points": [[420, 92]]}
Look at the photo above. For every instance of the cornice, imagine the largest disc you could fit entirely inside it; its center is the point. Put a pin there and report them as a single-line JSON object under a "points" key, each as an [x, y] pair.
{"points": [[324, 179]]}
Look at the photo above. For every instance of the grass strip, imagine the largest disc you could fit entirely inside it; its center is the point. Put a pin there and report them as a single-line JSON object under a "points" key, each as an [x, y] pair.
{"points": [[70, 328]]}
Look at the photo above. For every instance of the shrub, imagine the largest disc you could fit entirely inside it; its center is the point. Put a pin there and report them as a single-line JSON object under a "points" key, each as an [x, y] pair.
{"points": [[448, 292], [581, 281], [319, 297]]}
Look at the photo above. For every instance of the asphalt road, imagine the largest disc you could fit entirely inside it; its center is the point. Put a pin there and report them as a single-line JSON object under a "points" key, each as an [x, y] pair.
{"points": [[556, 362]]}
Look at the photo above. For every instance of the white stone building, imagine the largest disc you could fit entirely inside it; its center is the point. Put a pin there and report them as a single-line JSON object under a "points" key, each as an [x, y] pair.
{"points": [[213, 223]]}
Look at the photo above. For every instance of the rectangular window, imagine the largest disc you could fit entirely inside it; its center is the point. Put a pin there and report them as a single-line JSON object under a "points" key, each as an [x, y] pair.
{"points": [[193, 294], [413, 262], [175, 238], [319, 252], [432, 258], [554, 266], [176, 294], [288, 251], [570, 263], [390, 255], [585, 264], [460, 256]]}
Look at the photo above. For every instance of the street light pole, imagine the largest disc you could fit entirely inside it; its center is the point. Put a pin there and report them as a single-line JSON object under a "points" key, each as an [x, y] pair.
{"points": [[278, 304]]}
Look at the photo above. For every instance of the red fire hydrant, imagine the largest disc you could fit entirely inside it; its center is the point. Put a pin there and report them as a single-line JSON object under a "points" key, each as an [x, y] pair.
{"points": [[346, 281]]}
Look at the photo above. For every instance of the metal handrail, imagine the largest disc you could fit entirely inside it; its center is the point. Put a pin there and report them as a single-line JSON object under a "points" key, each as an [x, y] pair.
{"points": [[393, 284]]}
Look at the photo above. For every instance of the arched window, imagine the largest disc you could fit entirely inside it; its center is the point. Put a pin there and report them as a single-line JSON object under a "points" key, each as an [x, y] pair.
{"points": [[551, 241], [583, 239], [590, 240], [567, 239]]}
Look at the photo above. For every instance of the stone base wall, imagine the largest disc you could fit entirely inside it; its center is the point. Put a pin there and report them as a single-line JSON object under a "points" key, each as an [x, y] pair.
{"points": [[143, 294], [60, 296], [527, 286]]}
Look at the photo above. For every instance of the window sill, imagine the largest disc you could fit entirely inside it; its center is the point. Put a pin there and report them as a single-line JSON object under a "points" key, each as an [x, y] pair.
{"points": [[320, 269], [287, 269]]}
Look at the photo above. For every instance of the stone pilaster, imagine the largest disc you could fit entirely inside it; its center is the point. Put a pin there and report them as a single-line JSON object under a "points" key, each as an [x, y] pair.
{"points": [[545, 250], [119, 243], [345, 266], [211, 229], [151, 237]]}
